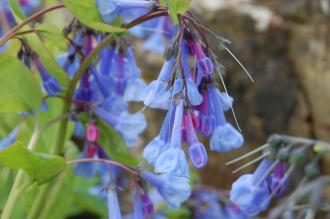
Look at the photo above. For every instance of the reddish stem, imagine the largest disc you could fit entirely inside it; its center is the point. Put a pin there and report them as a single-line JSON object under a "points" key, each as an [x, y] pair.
{"points": [[12, 32]]}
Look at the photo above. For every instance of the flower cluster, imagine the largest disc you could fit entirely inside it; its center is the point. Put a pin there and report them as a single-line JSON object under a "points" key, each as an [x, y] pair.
{"points": [[194, 106], [281, 156]]}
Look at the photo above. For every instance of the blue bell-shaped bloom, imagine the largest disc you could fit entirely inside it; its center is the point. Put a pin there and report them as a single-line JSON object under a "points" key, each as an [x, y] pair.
{"points": [[50, 83], [195, 98], [157, 94], [174, 189], [161, 143], [224, 136], [249, 194], [173, 160]]}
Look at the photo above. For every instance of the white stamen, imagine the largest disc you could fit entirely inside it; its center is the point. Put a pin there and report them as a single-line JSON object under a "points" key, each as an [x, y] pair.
{"points": [[231, 107], [252, 162], [248, 154], [242, 66]]}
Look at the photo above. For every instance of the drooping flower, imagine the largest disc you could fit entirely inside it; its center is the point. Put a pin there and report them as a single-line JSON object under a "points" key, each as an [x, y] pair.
{"points": [[70, 61], [174, 189], [275, 178], [160, 143], [157, 94], [224, 136], [50, 83], [173, 160], [250, 193], [197, 152]]}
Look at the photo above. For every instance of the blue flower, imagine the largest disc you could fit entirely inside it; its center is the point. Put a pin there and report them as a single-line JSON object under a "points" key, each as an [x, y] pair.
{"points": [[249, 194], [50, 83], [113, 203], [29, 5], [205, 116], [174, 189], [10, 139], [127, 124], [195, 98], [161, 143], [163, 31], [276, 177], [224, 136], [69, 61], [157, 94], [143, 207], [173, 160], [196, 151], [204, 64], [110, 9]]}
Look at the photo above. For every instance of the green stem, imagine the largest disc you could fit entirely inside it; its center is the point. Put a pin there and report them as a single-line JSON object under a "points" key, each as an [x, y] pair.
{"points": [[19, 179], [38, 202]]}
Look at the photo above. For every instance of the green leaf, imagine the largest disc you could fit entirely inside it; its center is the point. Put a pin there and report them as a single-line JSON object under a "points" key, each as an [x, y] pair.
{"points": [[176, 7], [18, 89], [114, 145], [46, 57], [41, 167], [52, 33], [87, 12]]}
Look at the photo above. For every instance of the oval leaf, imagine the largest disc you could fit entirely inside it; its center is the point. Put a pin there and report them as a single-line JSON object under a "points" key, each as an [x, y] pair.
{"points": [[86, 11], [41, 167], [18, 89]]}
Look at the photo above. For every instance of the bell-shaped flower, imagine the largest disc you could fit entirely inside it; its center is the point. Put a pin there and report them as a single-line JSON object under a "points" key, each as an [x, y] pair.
{"points": [[174, 189], [276, 177], [204, 63], [160, 143], [50, 83], [224, 136], [70, 61], [205, 116], [157, 94], [194, 97], [173, 160], [251, 195], [196, 151]]}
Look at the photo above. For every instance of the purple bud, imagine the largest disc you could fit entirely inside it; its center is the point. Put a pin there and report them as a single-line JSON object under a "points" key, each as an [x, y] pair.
{"points": [[275, 178], [197, 155], [204, 64]]}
